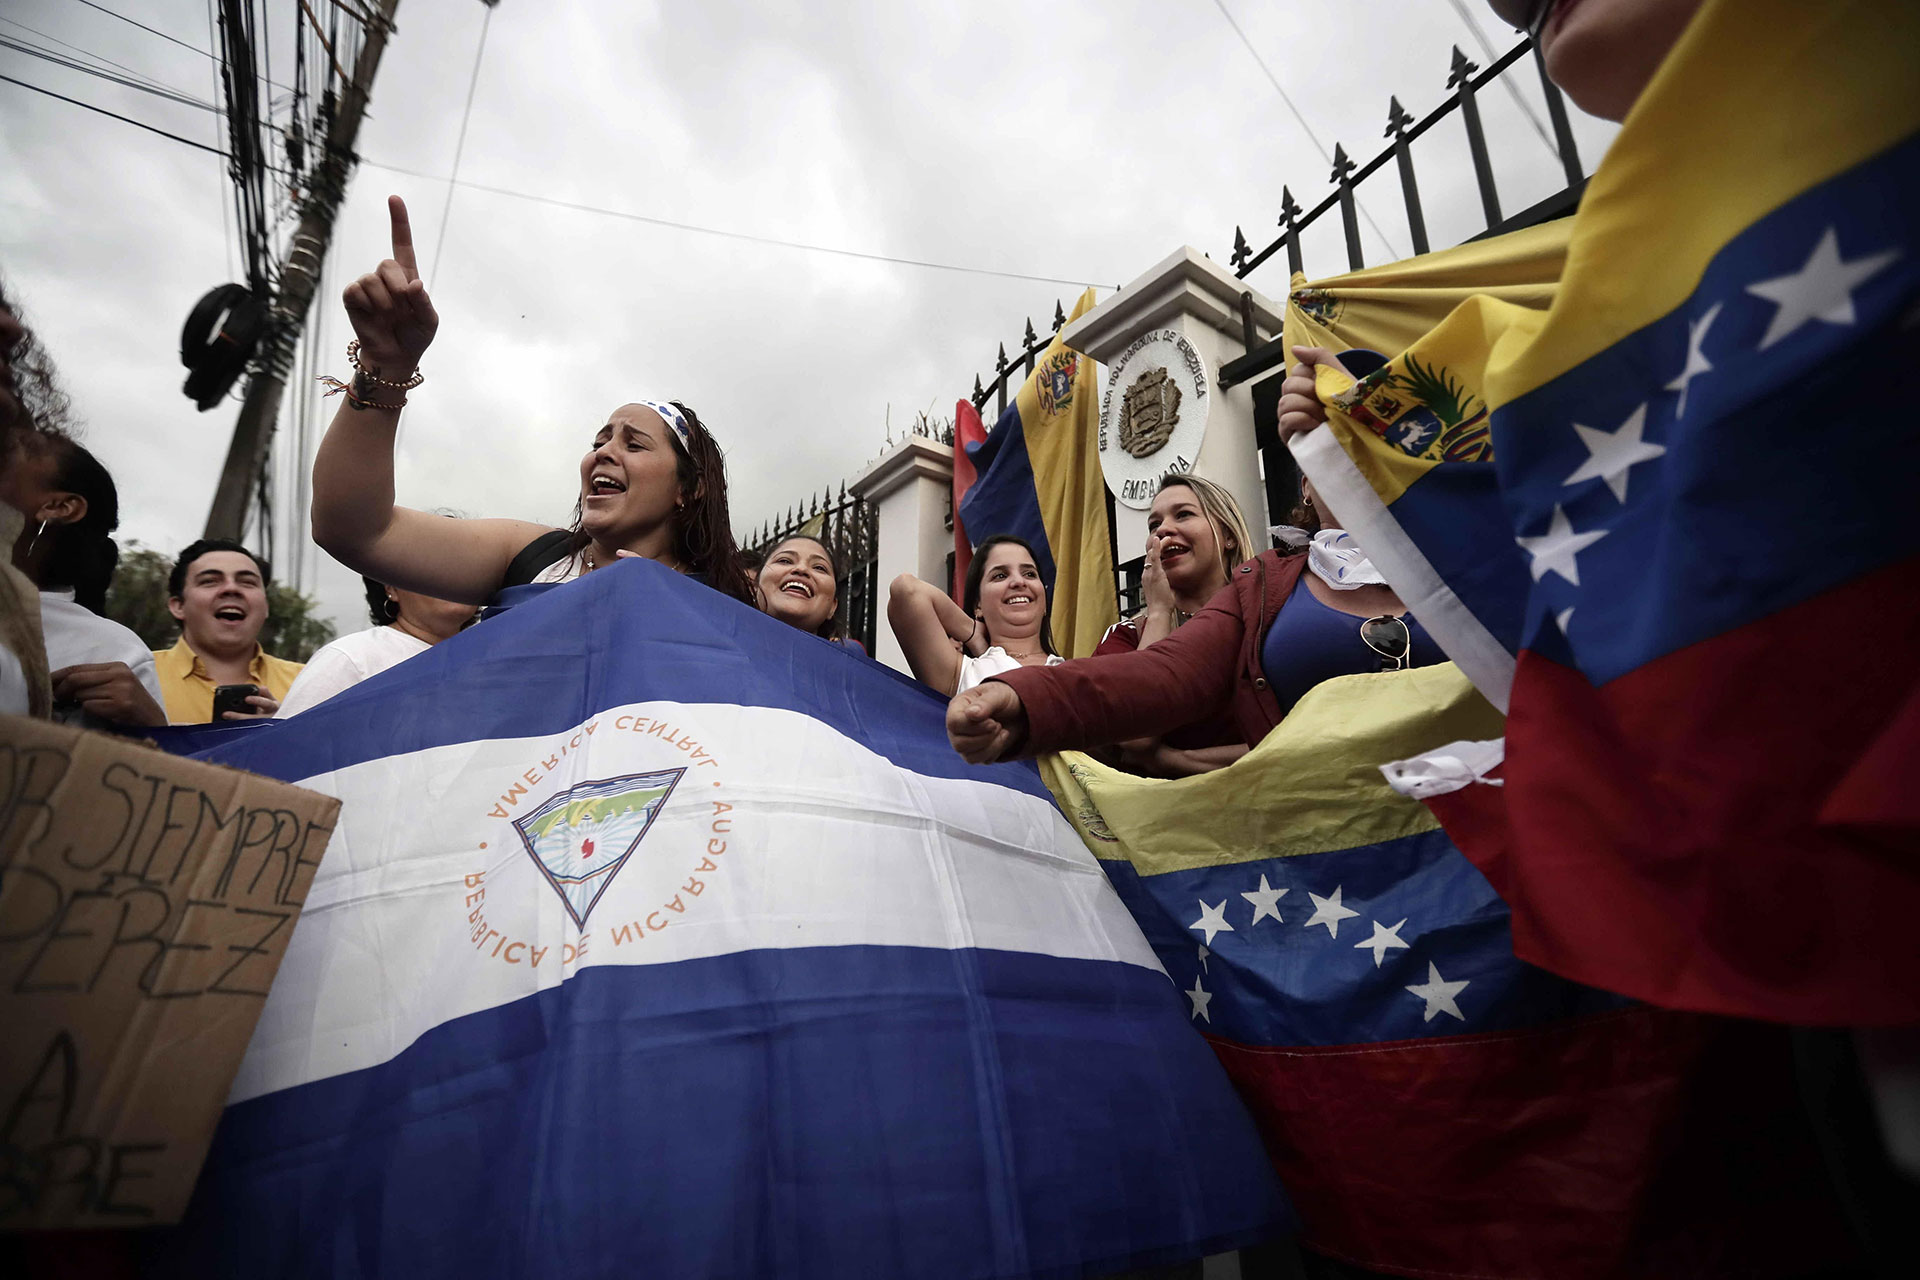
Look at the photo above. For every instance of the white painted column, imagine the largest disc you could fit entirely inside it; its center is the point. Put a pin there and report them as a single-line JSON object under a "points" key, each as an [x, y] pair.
{"points": [[908, 486], [1186, 304]]}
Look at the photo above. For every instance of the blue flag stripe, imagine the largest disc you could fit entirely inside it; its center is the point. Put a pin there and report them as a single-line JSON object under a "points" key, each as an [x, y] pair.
{"points": [[551, 663], [841, 1053]]}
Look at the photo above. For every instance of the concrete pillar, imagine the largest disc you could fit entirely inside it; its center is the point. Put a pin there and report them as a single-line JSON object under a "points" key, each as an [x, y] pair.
{"points": [[909, 487], [1170, 331]]}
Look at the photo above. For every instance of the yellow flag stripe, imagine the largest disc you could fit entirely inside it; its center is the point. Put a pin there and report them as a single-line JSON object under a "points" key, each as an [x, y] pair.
{"points": [[1312, 786]]}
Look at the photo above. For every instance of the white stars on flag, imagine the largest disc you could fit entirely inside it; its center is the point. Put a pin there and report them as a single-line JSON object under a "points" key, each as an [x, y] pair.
{"points": [[1612, 454], [1438, 995], [1820, 290], [1263, 900], [1201, 998], [1382, 941], [1436, 991], [1555, 551], [1212, 920], [1697, 362], [1329, 912]]}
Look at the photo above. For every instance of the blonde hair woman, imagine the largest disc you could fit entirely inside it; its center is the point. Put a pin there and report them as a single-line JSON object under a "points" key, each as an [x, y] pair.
{"points": [[1195, 536]]}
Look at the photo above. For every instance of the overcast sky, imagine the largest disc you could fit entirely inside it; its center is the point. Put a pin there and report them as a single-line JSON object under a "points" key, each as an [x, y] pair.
{"points": [[1077, 140]]}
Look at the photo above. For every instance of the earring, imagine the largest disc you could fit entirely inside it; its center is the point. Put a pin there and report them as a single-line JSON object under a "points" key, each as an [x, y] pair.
{"points": [[35, 541]]}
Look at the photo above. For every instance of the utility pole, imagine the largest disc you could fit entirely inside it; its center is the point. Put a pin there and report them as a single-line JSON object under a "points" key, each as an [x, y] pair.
{"points": [[299, 277]]}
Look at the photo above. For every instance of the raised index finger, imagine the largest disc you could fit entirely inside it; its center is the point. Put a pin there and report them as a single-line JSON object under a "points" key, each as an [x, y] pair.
{"points": [[402, 237]]}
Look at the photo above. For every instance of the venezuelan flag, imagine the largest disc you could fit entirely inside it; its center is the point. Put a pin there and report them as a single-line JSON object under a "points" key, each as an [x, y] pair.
{"points": [[1686, 560], [1039, 479], [1435, 1106]]}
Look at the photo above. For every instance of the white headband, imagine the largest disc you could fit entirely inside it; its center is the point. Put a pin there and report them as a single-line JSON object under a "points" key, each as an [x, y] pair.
{"points": [[673, 418]]}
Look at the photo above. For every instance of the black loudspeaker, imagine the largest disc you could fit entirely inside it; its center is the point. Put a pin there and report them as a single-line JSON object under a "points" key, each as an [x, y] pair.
{"points": [[217, 341]]}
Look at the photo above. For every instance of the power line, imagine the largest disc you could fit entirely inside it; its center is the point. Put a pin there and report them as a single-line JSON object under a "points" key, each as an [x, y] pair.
{"points": [[144, 27], [1486, 47], [158, 91], [139, 124], [1301, 120], [453, 180], [85, 53], [192, 48], [730, 235], [624, 214]]}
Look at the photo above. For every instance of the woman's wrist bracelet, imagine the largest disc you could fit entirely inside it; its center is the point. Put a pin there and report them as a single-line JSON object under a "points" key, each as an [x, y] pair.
{"points": [[353, 358]]}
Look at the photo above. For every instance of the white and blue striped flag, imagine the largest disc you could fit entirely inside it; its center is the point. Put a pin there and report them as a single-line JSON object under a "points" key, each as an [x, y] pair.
{"points": [[660, 938]]}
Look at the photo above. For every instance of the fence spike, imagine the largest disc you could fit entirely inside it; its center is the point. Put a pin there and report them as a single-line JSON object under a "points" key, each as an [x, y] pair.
{"points": [[1462, 79], [1463, 67], [1000, 362], [1030, 337], [1290, 219], [1059, 316], [979, 392], [1398, 118], [1343, 176], [1240, 250]]}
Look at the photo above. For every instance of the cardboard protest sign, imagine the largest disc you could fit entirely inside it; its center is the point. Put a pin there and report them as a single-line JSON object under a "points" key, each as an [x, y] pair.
{"points": [[145, 903]]}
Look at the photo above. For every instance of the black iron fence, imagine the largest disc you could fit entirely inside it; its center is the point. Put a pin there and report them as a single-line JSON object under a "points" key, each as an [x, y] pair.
{"points": [[1465, 81], [851, 522], [845, 524]]}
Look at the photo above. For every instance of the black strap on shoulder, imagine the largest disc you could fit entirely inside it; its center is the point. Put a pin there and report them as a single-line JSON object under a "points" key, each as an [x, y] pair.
{"points": [[537, 555]]}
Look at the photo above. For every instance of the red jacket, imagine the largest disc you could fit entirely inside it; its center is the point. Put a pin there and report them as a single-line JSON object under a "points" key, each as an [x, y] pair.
{"points": [[1210, 665]]}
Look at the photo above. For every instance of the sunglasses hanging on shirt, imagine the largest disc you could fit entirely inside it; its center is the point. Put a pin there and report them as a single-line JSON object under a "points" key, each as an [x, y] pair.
{"points": [[1389, 637]]}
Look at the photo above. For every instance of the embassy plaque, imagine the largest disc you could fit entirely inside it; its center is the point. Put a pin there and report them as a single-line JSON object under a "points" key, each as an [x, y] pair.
{"points": [[1153, 416]]}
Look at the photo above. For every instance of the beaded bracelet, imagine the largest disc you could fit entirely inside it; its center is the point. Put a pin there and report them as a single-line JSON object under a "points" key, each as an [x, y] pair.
{"points": [[353, 358], [335, 387]]}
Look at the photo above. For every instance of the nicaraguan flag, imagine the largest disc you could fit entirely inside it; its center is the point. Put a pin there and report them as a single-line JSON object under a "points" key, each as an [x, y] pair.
{"points": [[658, 937], [1686, 560]]}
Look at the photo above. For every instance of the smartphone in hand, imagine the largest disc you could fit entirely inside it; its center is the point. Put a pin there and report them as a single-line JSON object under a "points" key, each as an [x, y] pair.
{"points": [[233, 697]]}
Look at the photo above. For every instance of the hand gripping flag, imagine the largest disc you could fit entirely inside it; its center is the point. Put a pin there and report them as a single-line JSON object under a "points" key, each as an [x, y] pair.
{"points": [[1039, 479], [1684, 552], [1435, 1106], [658, 937]]}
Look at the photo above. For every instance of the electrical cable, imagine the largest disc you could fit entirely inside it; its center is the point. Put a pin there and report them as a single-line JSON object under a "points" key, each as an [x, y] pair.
{"points": [[155, 31], [59, 60], [87, 53], [460, 146], [1301, 120], [732, 235], [141, 124]]}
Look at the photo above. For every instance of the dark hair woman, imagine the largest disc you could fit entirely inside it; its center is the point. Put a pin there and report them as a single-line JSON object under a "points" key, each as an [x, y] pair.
{"points": [[653, 483], [99, 670], [799, 584], [1000, 624]]}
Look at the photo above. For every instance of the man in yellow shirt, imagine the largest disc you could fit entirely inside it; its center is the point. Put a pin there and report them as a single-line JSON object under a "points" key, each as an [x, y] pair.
{"points": [[218, 594]]}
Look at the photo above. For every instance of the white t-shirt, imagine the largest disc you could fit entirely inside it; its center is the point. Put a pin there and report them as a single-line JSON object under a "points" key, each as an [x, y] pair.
{"points": [[347, 661], [991, 663], [77, 635]]}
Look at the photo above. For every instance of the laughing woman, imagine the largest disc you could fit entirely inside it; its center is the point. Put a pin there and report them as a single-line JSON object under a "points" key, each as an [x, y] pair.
{"points": [[1001, 624], [653, 483], [800, 585]]}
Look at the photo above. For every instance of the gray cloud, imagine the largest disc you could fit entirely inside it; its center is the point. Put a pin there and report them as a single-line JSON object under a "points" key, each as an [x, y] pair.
{"points": [[1078, 140]]}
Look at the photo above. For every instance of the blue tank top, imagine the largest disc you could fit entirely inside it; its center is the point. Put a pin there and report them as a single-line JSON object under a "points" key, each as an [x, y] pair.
{"points": [[1310, 642]]}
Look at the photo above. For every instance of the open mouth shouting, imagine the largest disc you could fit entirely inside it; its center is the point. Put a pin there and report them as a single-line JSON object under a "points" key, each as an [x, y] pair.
{"points": [[603, 485]]}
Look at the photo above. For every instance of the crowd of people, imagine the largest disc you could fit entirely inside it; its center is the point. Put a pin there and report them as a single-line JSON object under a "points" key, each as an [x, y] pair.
{"points": [[1230, 636]]}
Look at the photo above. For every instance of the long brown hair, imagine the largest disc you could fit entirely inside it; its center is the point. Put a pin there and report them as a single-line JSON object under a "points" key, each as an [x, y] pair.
{"points": [[702, 526], [977, 572]]}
